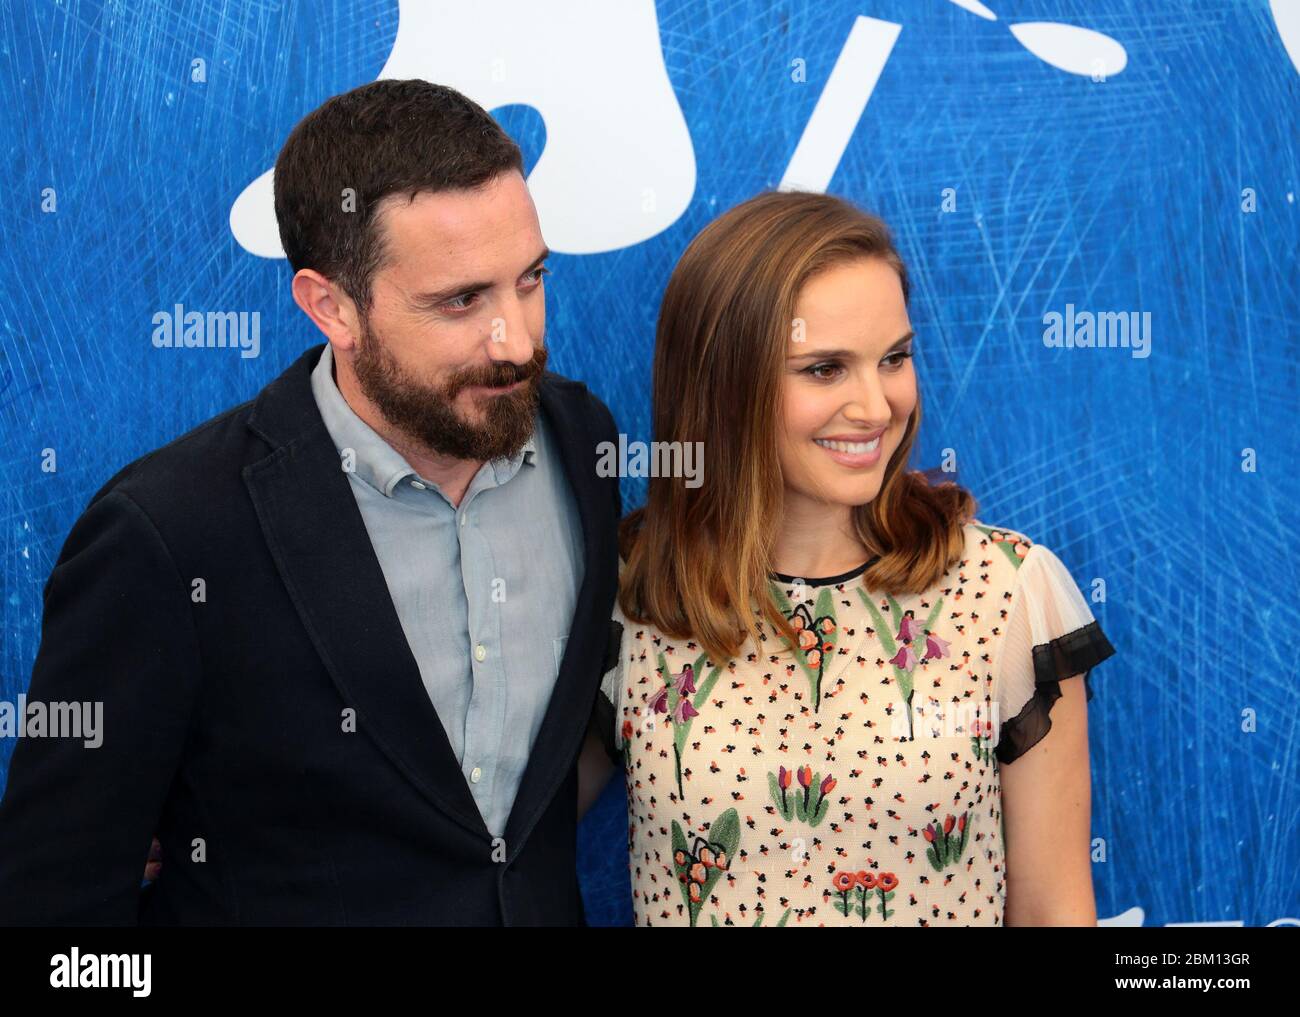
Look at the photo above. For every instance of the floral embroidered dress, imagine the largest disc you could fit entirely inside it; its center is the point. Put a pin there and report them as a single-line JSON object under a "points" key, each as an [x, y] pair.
{"points": [[857, 784]]}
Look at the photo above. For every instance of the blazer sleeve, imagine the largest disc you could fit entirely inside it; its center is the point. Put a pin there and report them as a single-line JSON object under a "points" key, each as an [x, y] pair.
{"points": [[79, 814], [1051, 635], [604, 719]]}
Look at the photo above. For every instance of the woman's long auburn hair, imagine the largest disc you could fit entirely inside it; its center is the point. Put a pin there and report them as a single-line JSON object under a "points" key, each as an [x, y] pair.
{"points": [[693, 555]]}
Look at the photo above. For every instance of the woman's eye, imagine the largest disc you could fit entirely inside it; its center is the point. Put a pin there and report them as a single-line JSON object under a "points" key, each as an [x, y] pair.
{"points": [[829, 370], [817, 369]]}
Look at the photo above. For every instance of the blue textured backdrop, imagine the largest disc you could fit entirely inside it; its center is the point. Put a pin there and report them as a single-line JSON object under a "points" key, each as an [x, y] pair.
{"points": [[1124, 194]]}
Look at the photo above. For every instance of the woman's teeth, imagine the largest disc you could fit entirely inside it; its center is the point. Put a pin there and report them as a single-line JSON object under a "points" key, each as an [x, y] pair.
{"points": [[851, 447]]}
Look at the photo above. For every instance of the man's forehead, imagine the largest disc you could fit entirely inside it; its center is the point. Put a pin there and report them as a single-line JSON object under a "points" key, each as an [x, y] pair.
{"points": [[462, 230]]}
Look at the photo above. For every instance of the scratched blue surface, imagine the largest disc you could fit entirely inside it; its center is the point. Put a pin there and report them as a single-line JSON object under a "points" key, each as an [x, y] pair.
{"points": [[1123, 195]]}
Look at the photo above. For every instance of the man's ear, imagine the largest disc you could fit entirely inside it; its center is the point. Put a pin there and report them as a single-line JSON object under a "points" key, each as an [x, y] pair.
{"points": [[332, 310]]}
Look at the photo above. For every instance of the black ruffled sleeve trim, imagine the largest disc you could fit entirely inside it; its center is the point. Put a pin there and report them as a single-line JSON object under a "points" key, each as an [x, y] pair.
{"points": [[1074, 653]]}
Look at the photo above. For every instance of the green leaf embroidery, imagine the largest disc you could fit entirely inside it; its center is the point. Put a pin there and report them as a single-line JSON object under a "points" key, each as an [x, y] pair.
{"points": [[783, 800], [825, 646], [1008, 546], [724, 834]]}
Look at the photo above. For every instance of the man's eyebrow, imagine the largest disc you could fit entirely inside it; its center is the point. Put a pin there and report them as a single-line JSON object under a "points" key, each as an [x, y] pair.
{"points": [[849, 354], [435, 297]]}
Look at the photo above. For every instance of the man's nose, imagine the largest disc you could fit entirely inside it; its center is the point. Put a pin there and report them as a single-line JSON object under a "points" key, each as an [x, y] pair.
{"points": [[509, 337]]}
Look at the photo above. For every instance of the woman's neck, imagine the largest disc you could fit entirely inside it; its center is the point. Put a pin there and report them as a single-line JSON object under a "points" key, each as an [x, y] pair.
{"points": [[816, 540]]}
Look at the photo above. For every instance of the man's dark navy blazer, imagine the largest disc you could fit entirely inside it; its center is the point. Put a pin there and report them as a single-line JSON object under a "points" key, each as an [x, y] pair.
{"points": [[224, 724]]}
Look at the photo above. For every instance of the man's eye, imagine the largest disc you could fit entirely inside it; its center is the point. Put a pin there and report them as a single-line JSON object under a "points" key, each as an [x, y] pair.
{"points": [[460, 303], [535, 276]]}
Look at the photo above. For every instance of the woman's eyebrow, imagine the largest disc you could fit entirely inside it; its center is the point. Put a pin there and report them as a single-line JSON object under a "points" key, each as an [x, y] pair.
{"points": [[849, 354]]}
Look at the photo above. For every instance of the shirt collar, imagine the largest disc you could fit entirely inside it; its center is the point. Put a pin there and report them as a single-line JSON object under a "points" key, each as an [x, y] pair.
{"points": [[374, 460]]}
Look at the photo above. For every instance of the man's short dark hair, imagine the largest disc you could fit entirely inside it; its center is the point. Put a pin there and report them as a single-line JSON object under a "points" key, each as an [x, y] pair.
{"points": [[387, 137]]}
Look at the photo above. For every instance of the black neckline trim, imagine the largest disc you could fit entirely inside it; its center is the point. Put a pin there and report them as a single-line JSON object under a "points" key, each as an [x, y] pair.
{"points": [[827, 580]]}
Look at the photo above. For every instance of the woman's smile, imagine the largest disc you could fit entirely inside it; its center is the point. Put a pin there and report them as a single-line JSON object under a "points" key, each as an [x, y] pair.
{"points": [[854, 451]]}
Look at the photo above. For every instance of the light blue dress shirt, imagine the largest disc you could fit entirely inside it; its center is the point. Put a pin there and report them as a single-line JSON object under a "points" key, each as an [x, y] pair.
{"points": [[485, 591]]}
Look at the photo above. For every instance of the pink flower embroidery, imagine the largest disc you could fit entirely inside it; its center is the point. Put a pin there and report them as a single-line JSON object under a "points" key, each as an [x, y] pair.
{"points": [[935, 648], [908, 628]]}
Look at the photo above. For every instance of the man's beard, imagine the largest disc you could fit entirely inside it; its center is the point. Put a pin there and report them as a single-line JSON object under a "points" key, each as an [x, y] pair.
{"points": [[426, 414]]}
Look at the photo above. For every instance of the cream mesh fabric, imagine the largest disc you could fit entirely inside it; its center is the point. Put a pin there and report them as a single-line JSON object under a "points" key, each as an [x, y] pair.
{"points": [[1046, 605]]}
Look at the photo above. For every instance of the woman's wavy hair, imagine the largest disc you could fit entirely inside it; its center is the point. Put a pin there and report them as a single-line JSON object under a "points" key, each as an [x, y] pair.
{"points": [[695, 554]]}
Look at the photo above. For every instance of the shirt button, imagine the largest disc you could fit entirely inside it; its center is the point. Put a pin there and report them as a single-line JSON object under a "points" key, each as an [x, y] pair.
{"points": [[417, 485], [462, 520], [479, 652], [475, 775]]}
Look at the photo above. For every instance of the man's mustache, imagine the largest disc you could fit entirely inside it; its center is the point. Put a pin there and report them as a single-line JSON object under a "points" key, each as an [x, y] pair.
{"points": [[501, 375]]}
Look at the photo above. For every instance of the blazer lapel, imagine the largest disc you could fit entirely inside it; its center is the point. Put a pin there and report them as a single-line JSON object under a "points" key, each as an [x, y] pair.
{"points": [[319, 543], [565, 722]]}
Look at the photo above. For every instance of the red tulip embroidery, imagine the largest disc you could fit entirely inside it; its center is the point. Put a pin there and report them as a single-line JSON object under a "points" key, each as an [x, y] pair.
{"points": [[810, 803], [947, 842]]}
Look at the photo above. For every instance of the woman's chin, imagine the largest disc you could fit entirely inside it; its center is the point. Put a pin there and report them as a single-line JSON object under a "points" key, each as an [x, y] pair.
{"points": [[836, 492]]}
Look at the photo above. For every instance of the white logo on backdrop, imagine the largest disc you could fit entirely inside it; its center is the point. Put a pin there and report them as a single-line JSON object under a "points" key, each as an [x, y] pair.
{"points": [[618, 167], [1286, 13]]}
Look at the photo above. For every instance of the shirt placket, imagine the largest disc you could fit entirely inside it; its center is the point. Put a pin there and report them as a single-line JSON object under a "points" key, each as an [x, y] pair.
{"points": [[479, 762]]}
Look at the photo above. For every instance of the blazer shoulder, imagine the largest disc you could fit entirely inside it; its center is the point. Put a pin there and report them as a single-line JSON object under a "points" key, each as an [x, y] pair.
{"points": [[198, 457]]}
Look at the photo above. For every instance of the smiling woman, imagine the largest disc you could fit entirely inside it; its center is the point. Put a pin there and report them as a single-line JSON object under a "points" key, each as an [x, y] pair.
{"points": [[849, 311], [823, 662], [784, 326]]}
